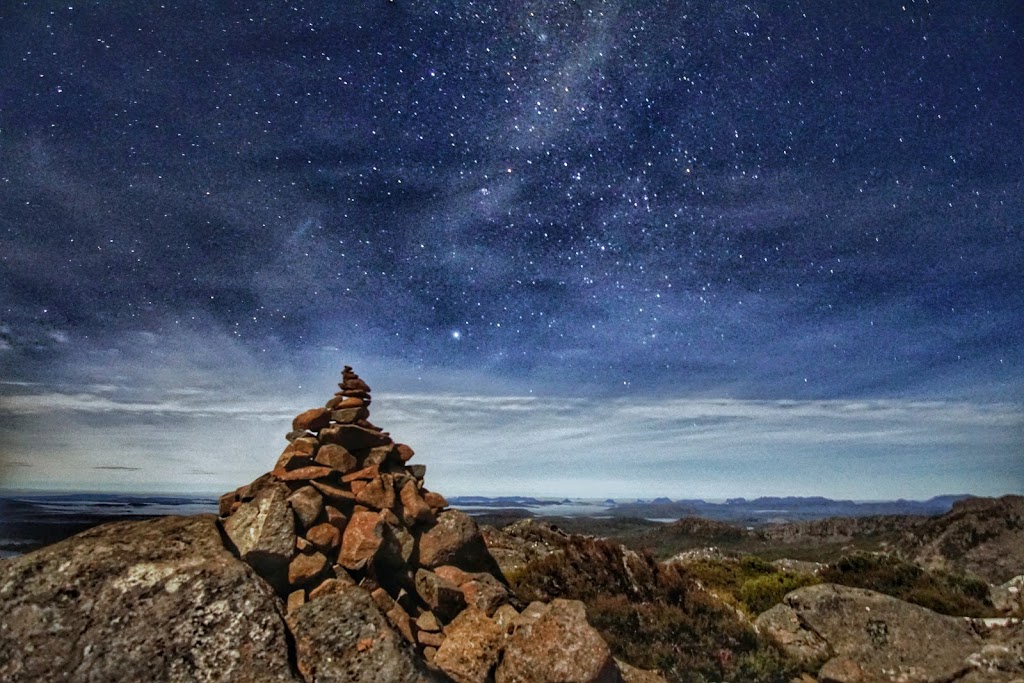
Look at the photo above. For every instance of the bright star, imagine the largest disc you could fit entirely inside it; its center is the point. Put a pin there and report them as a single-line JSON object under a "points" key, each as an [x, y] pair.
{"points": [[456, 335]]}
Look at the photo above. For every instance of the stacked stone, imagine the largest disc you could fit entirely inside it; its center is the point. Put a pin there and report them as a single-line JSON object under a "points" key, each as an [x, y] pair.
{"points": [[342, 506]]}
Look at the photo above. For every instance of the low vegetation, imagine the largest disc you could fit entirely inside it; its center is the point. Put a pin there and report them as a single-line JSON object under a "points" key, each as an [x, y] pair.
{"points": [[749, 583], [951, 594], [654, 616]]}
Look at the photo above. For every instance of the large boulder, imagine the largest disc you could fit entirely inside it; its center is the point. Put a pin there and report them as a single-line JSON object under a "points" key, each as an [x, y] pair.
{"points": [[343, 636], [883, 638], [158, 600], [557, 646]]}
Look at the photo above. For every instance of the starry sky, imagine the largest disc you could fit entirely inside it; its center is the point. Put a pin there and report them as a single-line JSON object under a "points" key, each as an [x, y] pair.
{"points": [[577, 247]]}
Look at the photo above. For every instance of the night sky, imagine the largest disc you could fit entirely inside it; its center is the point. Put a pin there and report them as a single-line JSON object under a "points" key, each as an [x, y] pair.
{"points": [[587, 248]]}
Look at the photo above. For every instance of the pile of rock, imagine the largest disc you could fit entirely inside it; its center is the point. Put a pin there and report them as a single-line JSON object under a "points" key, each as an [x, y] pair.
{"points": [[343, 506], [343, 511]]}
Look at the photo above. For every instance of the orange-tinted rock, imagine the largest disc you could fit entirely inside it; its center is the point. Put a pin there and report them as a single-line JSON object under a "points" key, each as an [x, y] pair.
{"points": [[296, 599], [305, 568], [435, 500], [365, 474], [336, 517], [428, 639], [336, 494], [226, 502], [352, 437], [302, 545], [354, 383], [324, 536], [399, 618], [313, 419], [454, 574], [558, 646], [455, 539], [471, 648], [336, 457], [414, 509], [333, 585], [378, 493], [302, 473], [405, 452], [361, 540], [306, 445], [443, 597], [485, 593], [340, 402], [307, 504], [349, 415], [379, 455], [428, 622]]}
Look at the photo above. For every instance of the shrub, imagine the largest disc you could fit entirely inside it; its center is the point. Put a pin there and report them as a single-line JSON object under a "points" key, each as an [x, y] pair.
{"points": [[945, 593], [654, 616]]}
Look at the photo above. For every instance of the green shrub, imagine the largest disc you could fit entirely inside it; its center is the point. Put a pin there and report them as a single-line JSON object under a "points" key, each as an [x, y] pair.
{"points": [[945, 593], [763, 592], [654, 616]]}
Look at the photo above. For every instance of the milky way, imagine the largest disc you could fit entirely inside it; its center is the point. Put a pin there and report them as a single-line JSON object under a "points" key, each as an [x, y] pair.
{"points": [[630, 201]]}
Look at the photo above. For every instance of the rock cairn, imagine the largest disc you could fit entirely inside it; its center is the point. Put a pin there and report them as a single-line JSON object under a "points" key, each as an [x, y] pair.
{"points": [[343, 507]]}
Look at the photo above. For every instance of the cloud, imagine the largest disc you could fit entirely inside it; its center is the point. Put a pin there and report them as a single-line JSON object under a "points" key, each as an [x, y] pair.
{"points": [[116, 467]]}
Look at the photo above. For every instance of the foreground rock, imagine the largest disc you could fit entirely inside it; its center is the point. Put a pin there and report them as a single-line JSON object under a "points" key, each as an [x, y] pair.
{"points": [[159, 600], [344, 637], [859, 636]]}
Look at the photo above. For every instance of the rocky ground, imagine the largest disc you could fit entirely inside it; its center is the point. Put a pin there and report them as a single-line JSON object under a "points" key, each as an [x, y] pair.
{"points": [[340, 565]]}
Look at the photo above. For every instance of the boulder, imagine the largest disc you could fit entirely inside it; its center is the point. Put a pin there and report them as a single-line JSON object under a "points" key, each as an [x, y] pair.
{"points": [[631, 674], [471, 647], [158, 600], [414, 509], [485, 593], [559, 645], [263, 532], [342, 636], [881, 635]]}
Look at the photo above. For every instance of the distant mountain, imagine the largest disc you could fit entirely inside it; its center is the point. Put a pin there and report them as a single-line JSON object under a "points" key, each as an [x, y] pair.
{"points": [[769, 510]]}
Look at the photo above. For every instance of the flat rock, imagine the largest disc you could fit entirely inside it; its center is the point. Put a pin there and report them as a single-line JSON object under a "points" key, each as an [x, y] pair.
{"points": [[342, 636], [325, 536], [471, 648], [313, 419], [353, 437], [304, 568], [157, 600], [302, 473], [263, 531], [559, 645]]}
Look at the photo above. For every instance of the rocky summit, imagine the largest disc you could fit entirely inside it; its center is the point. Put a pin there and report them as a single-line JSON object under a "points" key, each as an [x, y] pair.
{"points": [[337, 565]]}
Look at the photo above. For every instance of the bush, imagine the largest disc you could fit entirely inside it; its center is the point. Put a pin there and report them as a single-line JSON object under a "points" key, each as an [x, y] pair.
{"points": [[761, 593], [939, 591], [655, 616]]}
